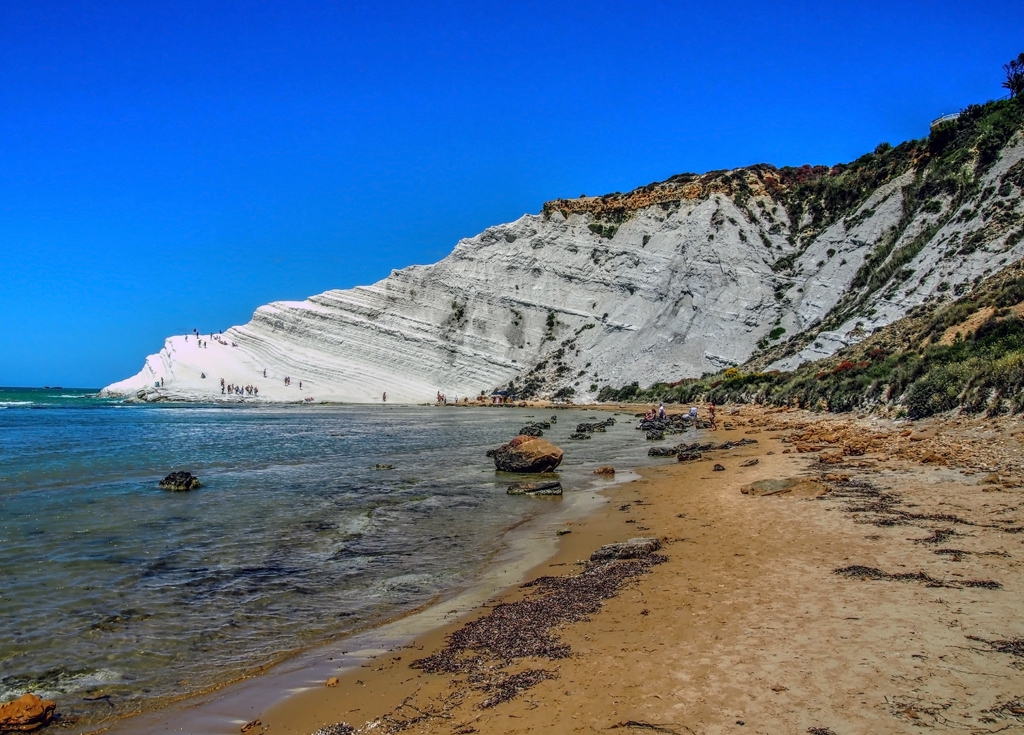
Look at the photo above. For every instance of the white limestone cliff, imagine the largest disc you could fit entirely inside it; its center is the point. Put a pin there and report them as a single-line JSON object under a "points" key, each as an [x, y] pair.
{"points": [[684, 279]]}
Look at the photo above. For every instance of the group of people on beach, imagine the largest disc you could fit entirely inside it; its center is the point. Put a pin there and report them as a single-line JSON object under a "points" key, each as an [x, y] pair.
{"points": [[287, 380], [238, 390], [659, 412]]}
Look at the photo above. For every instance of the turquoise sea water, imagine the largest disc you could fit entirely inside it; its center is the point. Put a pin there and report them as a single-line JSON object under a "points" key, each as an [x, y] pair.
{"points": [[113, 586]]}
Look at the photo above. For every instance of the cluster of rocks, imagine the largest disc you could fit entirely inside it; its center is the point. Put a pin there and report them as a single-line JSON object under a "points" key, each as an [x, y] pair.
{"points": [[26, 713], [672, 424], [180, 482], [535, 429], [585, 429], [692, 451]]}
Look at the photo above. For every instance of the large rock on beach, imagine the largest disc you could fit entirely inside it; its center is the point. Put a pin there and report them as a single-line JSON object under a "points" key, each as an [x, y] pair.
{"points": [[26, 713], [632, 549], [535, 488], [527, 454], [180, 482]]}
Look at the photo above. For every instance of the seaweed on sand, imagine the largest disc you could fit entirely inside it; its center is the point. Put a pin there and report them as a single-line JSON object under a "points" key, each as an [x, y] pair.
{"points": [[524, 628], [857, 571]]}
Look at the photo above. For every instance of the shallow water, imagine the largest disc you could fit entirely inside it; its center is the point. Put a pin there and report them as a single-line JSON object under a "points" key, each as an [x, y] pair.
{"points": [[113, 586]]}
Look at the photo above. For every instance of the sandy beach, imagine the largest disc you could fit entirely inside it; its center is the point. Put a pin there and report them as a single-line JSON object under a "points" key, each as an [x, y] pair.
{"points": [[880, 593]]}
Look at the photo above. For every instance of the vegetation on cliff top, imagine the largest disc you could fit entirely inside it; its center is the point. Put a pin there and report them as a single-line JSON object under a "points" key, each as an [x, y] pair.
{"points": [[967, 354]]}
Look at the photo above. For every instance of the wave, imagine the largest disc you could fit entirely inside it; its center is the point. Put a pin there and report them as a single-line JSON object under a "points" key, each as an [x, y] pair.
{"points": [[5, 404]]}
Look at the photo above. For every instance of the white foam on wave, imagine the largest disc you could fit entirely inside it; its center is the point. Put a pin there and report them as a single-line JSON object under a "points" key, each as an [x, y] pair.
{"points": [[6, 404], [64, 684]]}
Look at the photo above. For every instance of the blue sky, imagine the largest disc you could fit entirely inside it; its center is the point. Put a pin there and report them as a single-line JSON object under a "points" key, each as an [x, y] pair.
{"points": [[172, 165]]}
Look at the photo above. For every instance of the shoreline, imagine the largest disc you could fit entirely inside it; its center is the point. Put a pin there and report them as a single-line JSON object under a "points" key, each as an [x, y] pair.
{"points": [[826, 607], [525, 546]]}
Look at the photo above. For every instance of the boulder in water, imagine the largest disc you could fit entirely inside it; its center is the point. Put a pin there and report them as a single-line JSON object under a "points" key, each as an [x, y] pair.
{"points": [[26, 713], [527, 454], [180, 482], [606, 470]]}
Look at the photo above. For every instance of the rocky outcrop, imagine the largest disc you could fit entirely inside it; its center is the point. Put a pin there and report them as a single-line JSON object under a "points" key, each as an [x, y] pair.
{"points": [[535, 488], [635, 548], [181, 482], [794, 487], [26, 713], [527, 454]]}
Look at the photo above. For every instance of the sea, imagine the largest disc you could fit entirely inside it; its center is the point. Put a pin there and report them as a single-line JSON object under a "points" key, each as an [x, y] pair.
{"points": [[119, 597]]}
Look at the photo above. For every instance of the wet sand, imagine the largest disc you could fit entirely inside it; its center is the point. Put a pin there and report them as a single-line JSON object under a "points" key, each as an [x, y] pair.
{"points": [[748, 626]]}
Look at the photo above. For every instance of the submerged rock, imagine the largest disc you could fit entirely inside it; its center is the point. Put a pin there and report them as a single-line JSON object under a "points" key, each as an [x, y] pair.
{"points": [[632, 549], [587, 427], [527, 454], [26, 713], [606, 470], [579, 435], [180, 482], [535, 488], [383, 467], [532, 430]]}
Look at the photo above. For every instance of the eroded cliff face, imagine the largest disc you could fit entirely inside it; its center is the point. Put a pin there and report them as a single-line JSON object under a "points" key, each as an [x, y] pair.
{"points": [[672, 280]]}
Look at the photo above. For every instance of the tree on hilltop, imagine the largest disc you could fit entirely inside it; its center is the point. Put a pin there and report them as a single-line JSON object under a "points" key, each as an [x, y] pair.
{"points": [[1015, 76]]}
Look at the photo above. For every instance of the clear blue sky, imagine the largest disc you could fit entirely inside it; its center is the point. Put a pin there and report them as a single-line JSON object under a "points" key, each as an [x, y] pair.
{"points": [[169, 165]]}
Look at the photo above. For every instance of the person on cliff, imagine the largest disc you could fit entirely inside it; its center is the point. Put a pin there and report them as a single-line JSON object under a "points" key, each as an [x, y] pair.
{"points": [[384, 398]]}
